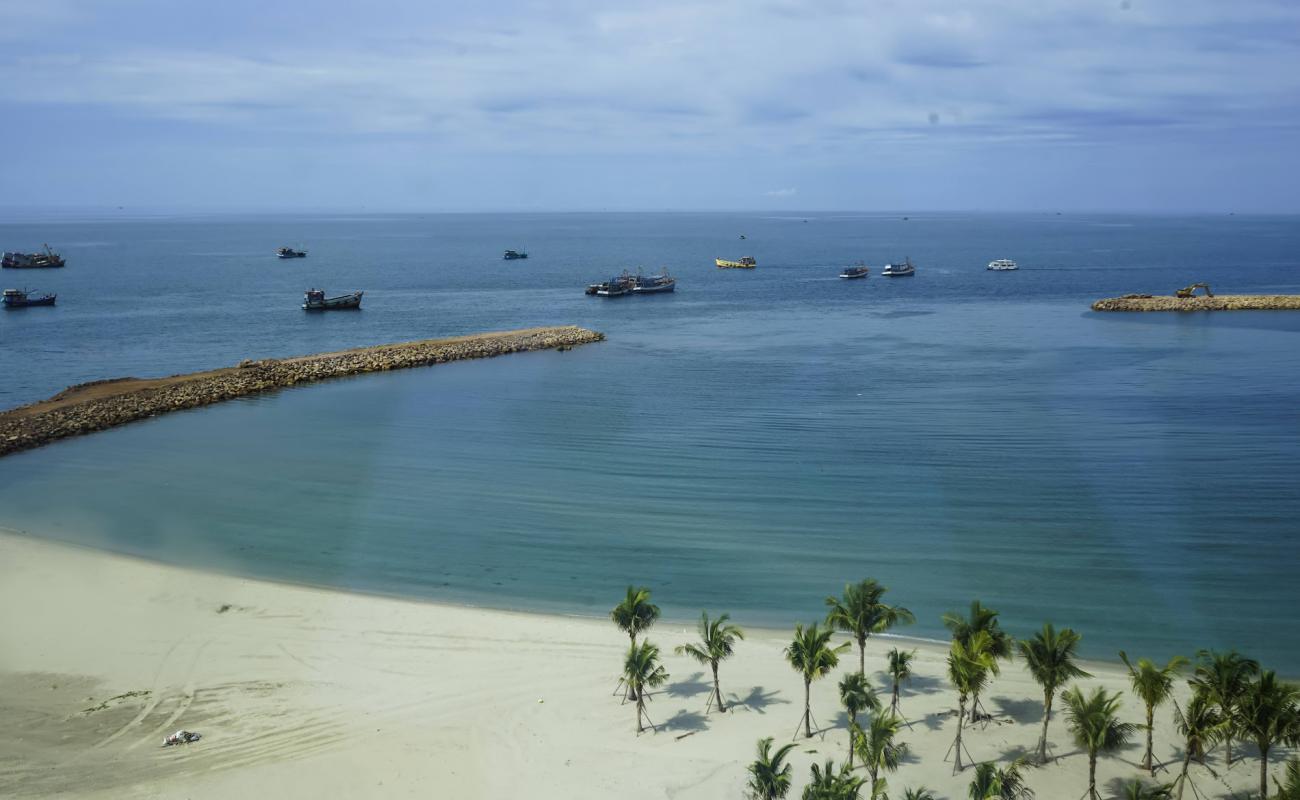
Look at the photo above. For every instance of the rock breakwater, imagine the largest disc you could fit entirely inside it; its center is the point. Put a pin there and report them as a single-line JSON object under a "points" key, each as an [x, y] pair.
{"points": [[1224, 302], [98, 405]]}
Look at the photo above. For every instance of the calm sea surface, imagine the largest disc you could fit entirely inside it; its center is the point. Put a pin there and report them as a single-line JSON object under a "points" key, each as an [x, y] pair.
{"points": [[746, 445]]}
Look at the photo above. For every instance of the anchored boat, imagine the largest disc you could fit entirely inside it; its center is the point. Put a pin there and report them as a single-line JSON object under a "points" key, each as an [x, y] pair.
{"points": [[21, 298], [616, 286], [315, 300], [655, 284], [32, 260], [899, 270], [746, 262], [1003, 265], [289, 252], [858, 270], [512, 255]]}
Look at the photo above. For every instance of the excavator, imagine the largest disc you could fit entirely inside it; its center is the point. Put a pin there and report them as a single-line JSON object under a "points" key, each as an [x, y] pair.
{"points": [[1190, 291]]}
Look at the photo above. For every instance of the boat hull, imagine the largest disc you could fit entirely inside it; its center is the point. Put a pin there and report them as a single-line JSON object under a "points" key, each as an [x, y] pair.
{"points": [[30, 303], [349, 302], [724, 264], [667, 287]]}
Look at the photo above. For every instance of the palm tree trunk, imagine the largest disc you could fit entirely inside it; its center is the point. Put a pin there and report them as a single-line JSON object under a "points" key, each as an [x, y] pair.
{"points": [[862, 655], [1047, 717], [1092, 777], [1263, 772], [974, 707], [1228, 743], [853, 728], [717, 691], [640, 709], [893, 706], [1151, 713], [1182, 777], [961, 720], [807, 708], [631, 692]]}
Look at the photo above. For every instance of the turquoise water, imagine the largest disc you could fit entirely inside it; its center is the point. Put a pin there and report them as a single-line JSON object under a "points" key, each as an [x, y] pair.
{"points": [[748, 444]]}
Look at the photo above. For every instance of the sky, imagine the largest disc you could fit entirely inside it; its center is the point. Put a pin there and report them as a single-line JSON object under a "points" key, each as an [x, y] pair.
{"points": [[1160, 106]]}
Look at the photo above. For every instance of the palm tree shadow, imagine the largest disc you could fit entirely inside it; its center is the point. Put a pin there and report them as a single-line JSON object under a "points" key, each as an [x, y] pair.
{"points": [[917, 684], [683, 720], [690, 687], [758, 700], [1022, 711], [934, 721], [1014, 752]]}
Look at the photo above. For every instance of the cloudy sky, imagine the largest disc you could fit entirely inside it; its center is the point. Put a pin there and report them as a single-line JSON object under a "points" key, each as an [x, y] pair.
{"points": [[1150, 105]]}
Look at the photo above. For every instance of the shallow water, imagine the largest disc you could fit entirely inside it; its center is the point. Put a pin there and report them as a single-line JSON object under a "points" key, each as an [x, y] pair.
{"points": [[747, 444]]}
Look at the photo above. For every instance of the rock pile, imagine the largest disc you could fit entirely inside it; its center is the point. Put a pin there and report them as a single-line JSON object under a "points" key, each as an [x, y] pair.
{"points": [[105, 404], [1224, 302]]}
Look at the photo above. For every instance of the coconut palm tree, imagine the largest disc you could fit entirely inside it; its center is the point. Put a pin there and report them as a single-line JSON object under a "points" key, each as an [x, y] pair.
{"points": [[900, 672], [1137, 790], [634, 615], [1289, 788], [717, 642], [856, 695], [877, 749], [827, 783], [1222, 678], [642, 670], [769, 775], [1202, 726], [970, 664], [1153, 685], [1094, 721], [811, 655], [992, 783], [919, 793], [1267, 714], [979, 619], [863, 612], [1050, 656]]}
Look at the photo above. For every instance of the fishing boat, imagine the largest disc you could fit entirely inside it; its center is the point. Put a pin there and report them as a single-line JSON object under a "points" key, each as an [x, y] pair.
{"points": [[315, 300], [899, 270], [44, 260], [655, 284], [858, 270], [746, 262], [289, 252], [512, 255], [616, 286], [1003, 265], [21, 298]]}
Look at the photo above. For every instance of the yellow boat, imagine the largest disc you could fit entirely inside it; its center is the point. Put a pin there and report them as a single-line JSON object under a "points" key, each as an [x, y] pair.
{"points": [[746, 262]]}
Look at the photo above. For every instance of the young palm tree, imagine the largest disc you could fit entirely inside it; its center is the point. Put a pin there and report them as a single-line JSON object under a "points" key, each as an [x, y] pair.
{"points": [[634, 615], [877, 749], [717, 642], [1050, 657], [1289, 788], [991, 783], [1154, 685], [1202, 727], [769, 775], [980, 619], [862, 612], [1267, 714], [920, 793], [642, 671], [900, 672], [856, 695], [1137, 790], [811, 655], [829, 784], [1222, 678], [969, 667], [1094, 721]]}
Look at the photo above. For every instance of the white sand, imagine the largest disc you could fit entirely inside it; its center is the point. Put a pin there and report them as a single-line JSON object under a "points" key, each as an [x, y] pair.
{"points": [[307, 693]]}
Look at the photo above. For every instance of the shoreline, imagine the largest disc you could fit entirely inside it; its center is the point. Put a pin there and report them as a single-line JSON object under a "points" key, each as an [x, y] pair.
{"points": [[102, 404]]}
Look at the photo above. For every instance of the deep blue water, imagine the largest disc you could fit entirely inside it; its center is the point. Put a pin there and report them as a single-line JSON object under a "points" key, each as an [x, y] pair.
{"points": [[747, 444]]}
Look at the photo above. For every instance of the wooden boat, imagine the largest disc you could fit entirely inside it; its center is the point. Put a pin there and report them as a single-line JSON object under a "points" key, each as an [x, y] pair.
{"points": [[746, 262], [655, 284], [289, 252], [899, 270], [315, 300], [21, 298], [512, 255], [44, 260], [859, 270]]}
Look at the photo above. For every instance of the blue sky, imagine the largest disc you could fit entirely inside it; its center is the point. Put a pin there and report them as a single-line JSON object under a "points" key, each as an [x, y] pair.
{"points": [[1143, 105]]}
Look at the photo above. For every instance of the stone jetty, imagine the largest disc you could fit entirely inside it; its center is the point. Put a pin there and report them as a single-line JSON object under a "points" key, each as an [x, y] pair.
{"points": [[1222, 302], [90, 407]]}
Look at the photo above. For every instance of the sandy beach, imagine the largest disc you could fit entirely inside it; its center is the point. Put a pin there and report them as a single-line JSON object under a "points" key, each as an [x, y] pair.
{"points": [[300, 692]]}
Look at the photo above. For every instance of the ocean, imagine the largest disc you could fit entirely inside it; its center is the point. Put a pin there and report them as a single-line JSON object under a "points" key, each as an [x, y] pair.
{"points": [[747, 444]]}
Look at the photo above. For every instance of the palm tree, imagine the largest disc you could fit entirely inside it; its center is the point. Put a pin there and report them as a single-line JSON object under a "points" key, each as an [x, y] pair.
{"points": [[717, 642], [920, 793], [1050, 657], [1267, 714], [1137, 790], [1289, 789], [980, 619], [1222, 678], [862, 612], [991, 783], [634, 615], [969, 667], [1202, 726], [769, 775], [642, 671], [811, 655], [1154, 685], [1094, 721], [856, 695], [826, 783], [877, 749], [900, 672]]}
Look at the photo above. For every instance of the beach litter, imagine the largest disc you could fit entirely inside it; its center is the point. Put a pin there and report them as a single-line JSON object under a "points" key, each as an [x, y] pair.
{"points": [[181, 737]]}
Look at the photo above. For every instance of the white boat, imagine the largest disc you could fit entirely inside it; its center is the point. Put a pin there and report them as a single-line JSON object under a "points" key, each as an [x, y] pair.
{"points": [[1002, 265], [899, 270]]}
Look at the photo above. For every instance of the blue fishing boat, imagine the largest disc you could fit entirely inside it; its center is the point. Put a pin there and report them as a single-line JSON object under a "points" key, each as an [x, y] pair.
{"points": [[21, 298]]}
